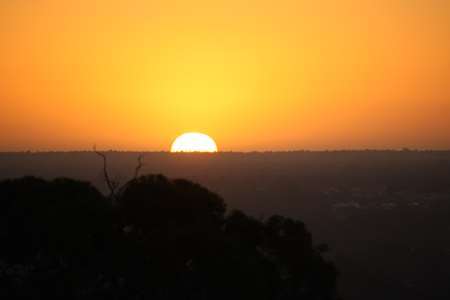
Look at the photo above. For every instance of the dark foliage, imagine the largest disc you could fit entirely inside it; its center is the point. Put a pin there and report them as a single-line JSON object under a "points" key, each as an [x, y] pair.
{"points": [[164, 239]]}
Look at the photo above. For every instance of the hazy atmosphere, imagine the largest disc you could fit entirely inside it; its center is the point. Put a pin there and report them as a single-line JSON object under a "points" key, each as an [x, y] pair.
{"points": [[255, 75]]}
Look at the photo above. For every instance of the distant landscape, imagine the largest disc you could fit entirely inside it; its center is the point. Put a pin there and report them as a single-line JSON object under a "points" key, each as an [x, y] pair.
{"points": [[384, 214], [291, 150]]}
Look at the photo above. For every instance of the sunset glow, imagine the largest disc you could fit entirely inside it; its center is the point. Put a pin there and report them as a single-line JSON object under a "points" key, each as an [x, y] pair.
{"points": [[278, 75]]}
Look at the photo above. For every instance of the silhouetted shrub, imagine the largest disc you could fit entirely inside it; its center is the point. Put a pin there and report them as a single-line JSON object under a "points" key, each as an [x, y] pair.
{"points": [[165, 239]]}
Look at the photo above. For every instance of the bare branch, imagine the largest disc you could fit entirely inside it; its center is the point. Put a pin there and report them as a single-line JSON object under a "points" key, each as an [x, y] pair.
{"points": [[139, 165], [136, 174], [112, 185]]}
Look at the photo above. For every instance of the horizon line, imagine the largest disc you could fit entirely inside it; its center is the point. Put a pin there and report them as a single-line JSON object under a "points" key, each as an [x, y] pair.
{"points": [[233, 151]]}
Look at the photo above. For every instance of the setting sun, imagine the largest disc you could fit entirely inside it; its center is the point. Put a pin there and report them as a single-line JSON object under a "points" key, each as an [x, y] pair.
{"points": [[193, 142]]}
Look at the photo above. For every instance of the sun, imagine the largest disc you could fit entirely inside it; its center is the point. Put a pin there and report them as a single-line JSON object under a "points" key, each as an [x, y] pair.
{"points": [[193, 142]]}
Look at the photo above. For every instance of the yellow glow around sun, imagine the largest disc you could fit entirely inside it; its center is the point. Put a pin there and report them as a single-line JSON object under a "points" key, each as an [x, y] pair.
{"points": [[193, 142]]}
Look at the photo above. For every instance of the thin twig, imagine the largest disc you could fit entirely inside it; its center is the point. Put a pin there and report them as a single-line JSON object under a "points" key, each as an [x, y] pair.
{"points": [[139, 165], [112, 186]]}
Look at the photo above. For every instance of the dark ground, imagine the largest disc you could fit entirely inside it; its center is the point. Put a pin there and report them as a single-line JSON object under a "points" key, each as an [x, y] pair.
{"points": [[385, 214]]}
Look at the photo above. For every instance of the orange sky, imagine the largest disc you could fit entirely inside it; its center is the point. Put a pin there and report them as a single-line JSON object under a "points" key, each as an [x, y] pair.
{"points": [[254, 75]]}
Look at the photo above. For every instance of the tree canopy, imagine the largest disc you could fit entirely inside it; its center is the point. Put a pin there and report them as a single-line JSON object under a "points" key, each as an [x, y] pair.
{"points": [[163, 239]]}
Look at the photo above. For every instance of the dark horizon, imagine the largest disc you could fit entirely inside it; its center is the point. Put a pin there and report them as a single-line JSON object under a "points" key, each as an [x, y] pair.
{"points": [[356, 150], [390, 206]]}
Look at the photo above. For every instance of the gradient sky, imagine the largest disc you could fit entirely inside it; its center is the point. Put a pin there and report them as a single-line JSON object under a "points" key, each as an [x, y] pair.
{"points": [[254, 75]]}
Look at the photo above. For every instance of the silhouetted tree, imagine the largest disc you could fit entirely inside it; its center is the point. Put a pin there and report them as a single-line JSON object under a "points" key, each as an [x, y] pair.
{"points": [[165, 239]]}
